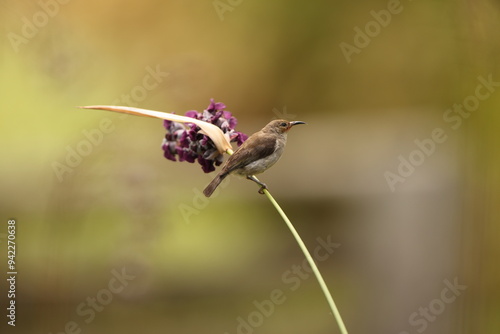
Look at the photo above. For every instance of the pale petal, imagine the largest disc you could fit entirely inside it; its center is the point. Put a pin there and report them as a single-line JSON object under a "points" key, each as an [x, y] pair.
{"points": [[220, 140]]}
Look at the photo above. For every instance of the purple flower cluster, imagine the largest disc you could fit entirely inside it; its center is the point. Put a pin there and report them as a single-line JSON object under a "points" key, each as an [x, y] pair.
{"points": [[185, 142]]}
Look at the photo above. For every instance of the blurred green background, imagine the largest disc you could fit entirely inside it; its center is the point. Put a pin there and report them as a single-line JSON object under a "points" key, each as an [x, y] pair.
{"points": [[192, 265]]}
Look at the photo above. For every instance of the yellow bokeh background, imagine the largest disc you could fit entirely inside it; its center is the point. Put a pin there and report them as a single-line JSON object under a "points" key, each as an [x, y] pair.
{"points": [[92, 194]]}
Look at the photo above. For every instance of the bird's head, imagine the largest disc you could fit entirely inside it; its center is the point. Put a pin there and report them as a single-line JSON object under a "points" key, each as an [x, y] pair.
{"points": [[280, 126]]}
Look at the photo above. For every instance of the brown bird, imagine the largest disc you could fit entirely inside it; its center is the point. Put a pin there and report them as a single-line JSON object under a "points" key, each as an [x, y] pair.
{"points": [[259, 152]]}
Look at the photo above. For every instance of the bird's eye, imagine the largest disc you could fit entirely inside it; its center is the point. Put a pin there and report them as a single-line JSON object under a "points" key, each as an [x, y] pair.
{"points": [[283, 124]]}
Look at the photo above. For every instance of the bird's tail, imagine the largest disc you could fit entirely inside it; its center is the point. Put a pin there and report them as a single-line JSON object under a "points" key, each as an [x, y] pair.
{"points": [[214, 184]]}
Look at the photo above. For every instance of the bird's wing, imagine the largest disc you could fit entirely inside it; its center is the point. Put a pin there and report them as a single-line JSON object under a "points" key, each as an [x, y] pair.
{"points": [[261, 147]]}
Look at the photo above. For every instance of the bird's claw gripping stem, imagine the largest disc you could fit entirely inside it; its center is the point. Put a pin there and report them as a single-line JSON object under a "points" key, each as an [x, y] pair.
{"points": [[262, 185]]}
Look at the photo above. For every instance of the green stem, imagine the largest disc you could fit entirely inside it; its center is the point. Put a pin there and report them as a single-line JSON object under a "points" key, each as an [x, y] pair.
{"points": [[309, 258]]}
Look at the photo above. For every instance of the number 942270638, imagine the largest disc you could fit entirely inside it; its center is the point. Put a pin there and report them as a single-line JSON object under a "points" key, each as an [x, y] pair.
{"points": [[11, 248]]}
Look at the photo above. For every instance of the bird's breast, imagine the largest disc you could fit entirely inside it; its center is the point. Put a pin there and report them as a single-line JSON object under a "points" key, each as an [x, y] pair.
{"points": [[260, 165]]}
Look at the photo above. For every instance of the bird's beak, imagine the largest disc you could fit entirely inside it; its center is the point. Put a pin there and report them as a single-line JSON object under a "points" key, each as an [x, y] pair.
{"points": [[296, 122]]}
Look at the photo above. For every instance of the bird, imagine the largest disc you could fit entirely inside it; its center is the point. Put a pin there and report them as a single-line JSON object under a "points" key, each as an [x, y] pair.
{"points": [[259, 152]]}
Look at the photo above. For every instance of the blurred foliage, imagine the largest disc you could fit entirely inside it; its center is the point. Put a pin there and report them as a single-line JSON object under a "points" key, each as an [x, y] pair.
{"points": [[122, 205]]}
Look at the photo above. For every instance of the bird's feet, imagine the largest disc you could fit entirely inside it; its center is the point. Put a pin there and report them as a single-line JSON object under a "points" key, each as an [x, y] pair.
{"points": [[261, 184]]}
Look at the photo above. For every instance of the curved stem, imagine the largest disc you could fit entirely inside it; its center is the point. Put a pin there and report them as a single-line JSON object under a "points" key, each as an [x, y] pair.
{"points": [[310, 259]]}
